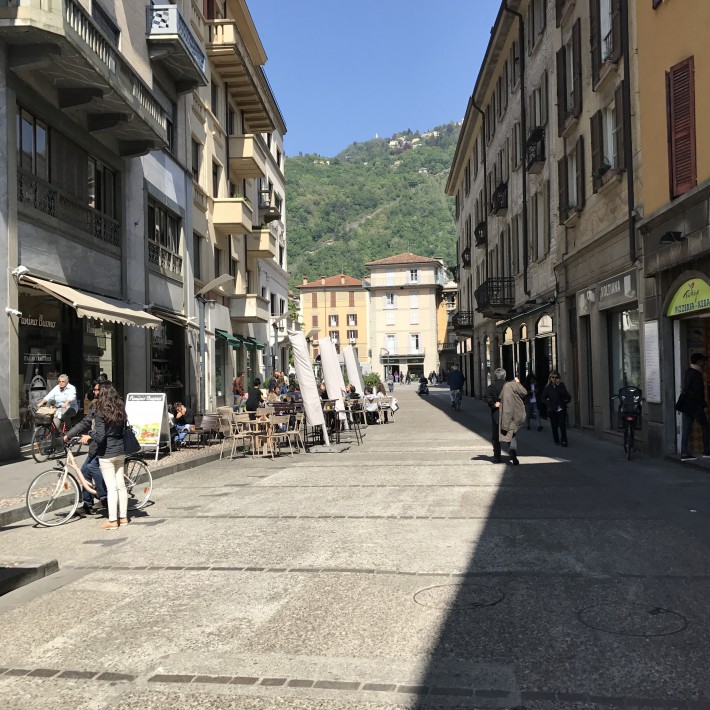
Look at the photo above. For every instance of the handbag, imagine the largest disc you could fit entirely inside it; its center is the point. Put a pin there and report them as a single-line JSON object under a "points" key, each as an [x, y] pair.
{"points": [[130, 441], [683, 405]]}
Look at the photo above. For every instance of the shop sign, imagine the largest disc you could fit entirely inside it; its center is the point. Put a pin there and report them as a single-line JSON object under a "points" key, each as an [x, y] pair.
{"points": [[691, 297], [32, 358], [38, 321], [148, 416], [617, 290]]}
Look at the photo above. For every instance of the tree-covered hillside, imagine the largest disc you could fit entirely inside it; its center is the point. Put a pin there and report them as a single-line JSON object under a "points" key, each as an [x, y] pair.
{"points": [[370, 201]]}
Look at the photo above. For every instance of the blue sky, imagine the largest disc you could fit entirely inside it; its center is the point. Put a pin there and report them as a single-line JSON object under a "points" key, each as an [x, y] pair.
{"points": [[345, 70]]}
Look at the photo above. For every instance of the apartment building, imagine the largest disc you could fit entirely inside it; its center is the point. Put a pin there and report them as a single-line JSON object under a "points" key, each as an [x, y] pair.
{"points": [[111, 231], [446, 335], [405, 292], [335, 306], [674, 61], [503, 178]]}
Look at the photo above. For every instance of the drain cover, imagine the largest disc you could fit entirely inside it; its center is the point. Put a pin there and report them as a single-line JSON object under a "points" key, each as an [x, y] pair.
{"points": [[458, 596], [626, 619]]}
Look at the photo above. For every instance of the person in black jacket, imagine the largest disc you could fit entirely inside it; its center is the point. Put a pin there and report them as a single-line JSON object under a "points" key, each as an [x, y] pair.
{"points": [[694, 409], [254, 398], [492, 399], [109, 424], [90, 469], [556, 398]]}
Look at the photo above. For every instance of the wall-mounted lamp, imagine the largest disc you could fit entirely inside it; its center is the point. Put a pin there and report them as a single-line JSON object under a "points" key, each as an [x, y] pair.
{"points": [[591, 296], [13, 312], [671, 238]]}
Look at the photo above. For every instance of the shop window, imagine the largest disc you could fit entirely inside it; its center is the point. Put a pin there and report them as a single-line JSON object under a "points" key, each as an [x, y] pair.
{"points": [[163, 239], [624, 352]]}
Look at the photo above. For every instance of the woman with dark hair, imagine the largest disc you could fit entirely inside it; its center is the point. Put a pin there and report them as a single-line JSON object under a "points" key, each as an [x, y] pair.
{"points": [[109, 424]]}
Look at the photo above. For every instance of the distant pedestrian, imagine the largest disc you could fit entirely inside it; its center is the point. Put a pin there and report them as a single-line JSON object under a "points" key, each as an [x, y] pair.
{"points": [[692, 401], [390, 382], [531, 401], [492, 399], [556, 398], [407, 379]]}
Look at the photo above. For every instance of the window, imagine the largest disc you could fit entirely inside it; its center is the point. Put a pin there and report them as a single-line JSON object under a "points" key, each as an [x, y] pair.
{"points": [[278, 157], [333, 321], [352, 336], [351, 298], [467, 178], [389, 278], [314, 321], [218, 263], [607, 135], [570, 170], [215, 179], [197, 256], [389, 318], [274, 304], [233, 267], [105, 23], [540, 223], [537, 113], [334, 335], [163, 238], [569, 78], [413, 343], [214, 99], [414, 276], [414, 299], [605, 34], [391, 343], [514, 65], [390, 300], [680, 99], [537, 21], [414, 316], [352, 319], [32, 147], [314, 300], [517, 151], [231, 121], [101, 187], [333, 299], [196, 152]]}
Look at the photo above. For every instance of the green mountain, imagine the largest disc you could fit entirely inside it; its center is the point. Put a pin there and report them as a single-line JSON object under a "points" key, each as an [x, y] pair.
{"points": [[372, 200]]}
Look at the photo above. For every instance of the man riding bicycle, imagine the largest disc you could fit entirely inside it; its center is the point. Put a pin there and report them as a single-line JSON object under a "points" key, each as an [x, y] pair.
{"points": [[456, 380], [64, 398]]}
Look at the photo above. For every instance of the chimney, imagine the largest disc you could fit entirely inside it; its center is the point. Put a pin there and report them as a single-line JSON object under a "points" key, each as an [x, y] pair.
{"points": [[322, 280], [305, 281], [342, 279]]}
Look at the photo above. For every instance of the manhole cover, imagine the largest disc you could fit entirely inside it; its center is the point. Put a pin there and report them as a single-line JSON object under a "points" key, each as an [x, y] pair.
{"points": [[628, 619], [458, 596]]}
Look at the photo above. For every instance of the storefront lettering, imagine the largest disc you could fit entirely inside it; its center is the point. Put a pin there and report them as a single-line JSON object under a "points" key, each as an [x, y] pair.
{"points": [[610, 289], [36, 357], [617, 290], [38, 321], [690, 297]]}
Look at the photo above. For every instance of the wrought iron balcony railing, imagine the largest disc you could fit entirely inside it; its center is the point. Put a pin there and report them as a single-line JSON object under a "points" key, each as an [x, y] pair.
{"points": [[495, 297], [462, 320], [499, 200], [535, 150]]}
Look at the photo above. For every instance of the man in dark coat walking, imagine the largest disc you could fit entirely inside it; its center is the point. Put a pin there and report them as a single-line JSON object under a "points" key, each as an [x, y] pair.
{"points": [[492, 399], [694, 407], [556, 398]]}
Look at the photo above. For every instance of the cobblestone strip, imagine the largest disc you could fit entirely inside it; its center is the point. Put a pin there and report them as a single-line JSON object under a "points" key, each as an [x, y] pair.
{"points": [[432, 691]]}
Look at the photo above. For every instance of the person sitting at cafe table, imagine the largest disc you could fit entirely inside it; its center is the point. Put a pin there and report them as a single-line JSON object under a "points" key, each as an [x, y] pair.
{"points": [[371, 406], [351, 392], [273, 395], [184, 420], [322, 391], [255, 398]]}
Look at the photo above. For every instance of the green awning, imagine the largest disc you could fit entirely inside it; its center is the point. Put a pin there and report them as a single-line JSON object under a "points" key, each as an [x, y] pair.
{"points": [[231, 339], [254, 343]]}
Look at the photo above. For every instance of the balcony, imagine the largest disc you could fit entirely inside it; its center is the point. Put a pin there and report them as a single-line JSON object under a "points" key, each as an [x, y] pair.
{"points": [[448, 344], [480, 234], [247, 157], [495, 298], [462, 321], [247, 82], [56, 47], [249, 308], [499, 199], [267, 211], [231, 215], [261, 244], [535, 151], [172, 43]]}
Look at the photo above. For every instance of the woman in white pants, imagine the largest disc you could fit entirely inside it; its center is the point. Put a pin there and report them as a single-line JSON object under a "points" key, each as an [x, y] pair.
{"points": [[109, 424]]}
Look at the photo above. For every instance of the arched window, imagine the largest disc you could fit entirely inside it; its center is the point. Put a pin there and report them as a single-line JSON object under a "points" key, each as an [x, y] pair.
{"points": [[544, 325], [523, 332], [508, 335]]}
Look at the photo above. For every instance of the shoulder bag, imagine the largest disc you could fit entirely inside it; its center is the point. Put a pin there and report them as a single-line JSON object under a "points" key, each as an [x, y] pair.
{"points": [[130, 441]]}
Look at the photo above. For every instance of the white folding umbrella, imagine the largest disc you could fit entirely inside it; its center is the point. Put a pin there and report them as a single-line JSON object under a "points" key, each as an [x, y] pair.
{"points": [[332, 375], [352, 366]]}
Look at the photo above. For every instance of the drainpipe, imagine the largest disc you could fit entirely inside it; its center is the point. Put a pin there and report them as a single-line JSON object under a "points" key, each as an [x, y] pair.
{"points": [[523, 138], [628, 148], [485, 177]]}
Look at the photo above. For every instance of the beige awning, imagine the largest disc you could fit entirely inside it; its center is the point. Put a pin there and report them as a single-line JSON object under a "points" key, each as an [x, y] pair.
{"points": [[99, 307]]}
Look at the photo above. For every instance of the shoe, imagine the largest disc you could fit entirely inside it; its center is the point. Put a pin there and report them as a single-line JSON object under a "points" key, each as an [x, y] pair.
{"points": [[539, 428], [514, 460], [564, 443], [123, 521], [497, 459], [109, 525], [687, 457]]}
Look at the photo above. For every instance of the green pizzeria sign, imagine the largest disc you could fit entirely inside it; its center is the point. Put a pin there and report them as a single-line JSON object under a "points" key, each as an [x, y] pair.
{"points": [[691, 297]]}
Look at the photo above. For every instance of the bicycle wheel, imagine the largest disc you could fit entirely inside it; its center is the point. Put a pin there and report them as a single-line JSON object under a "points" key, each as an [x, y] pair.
{"points": [[139, 483], [52, 497], [42, 443], [630, 429]]}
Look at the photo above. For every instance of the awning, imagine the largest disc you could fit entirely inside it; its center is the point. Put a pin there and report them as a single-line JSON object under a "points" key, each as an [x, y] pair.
{"points": [[231, 339], [254, 343], [172, 316], [98, 307]]}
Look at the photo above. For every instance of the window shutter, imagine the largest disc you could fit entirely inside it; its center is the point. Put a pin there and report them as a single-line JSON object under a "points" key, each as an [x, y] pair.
{"points": [[597, 135], [595, 39], [559, 5], [544, 98], [580, 173], [619, 127], [351, 298], [547, 221], [681, 126], [561, 108], [332, 299], [314, 300], [577, 61], [616, 37], [562, 187]]}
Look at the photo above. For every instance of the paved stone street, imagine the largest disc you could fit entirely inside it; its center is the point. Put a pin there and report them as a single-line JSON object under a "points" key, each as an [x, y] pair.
{"points": [[407, 572]]}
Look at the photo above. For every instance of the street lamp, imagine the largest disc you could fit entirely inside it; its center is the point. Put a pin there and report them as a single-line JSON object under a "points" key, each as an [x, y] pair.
{"points": [[215, 283]]}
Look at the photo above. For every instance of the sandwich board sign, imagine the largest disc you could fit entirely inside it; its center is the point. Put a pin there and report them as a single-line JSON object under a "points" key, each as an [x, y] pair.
{"points": [[147, 414]]}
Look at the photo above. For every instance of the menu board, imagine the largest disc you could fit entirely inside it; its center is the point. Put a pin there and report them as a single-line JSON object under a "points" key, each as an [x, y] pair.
{"points": [[148, 416], [653, 362]]}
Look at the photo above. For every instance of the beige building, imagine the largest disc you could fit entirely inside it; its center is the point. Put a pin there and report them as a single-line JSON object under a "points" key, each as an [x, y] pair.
{"points": [[446, 335], [404, 291], [335, 306]]}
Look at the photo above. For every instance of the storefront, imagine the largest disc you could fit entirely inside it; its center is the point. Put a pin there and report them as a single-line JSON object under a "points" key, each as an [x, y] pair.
{"points": [[225, 367], [167, 361]]}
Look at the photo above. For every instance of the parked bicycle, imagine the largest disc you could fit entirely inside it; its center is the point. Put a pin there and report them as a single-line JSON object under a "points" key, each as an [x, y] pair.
{"points": [[54, 495], [47, 439], [629, 414]]}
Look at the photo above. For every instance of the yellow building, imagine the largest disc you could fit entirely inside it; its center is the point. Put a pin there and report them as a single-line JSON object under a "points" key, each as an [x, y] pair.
{"points": [[335, 306], [673, 71]]}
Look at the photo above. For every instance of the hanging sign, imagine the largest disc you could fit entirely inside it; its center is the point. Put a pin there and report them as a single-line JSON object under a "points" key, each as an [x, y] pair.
{"points": [[148, 416], [691, 297]]}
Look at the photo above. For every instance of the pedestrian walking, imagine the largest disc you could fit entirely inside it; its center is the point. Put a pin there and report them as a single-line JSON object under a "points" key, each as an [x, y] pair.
{"points": [[531, 401], [511, 415], [390, 382], [556, 398], [691, 404], [238, 391], [492, 399]]}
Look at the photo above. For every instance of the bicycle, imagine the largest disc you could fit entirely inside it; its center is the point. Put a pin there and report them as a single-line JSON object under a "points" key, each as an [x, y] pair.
{"points": [[629, 414], [456, 398], [47, 439], [54, 495]]}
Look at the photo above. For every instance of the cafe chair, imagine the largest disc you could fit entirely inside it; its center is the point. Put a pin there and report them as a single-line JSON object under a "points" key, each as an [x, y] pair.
{"points": [[386, 409], [277, 432], [295, 430]]}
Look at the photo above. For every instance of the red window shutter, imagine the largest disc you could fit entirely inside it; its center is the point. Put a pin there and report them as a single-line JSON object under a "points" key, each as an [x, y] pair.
{"points": [[680, 82]]}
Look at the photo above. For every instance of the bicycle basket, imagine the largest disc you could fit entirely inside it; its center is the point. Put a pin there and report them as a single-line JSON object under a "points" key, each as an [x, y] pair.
{"points": [[44, 415], [630, 400]]}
